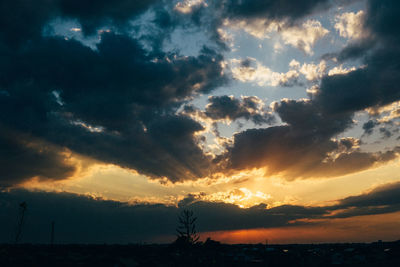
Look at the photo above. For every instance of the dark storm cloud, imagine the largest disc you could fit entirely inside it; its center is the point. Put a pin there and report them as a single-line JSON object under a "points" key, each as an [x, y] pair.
{"points": [[271, 9], [354, 50], [281, 151], [387, 194], [120, 64], [130, 94], [231, 108], [302, 148], [308, 118], [93, 13], [216, 216], [22, 20], [115, 103], [383, 19], [22, 158], [223, 216], [81, 219], [383, 199], [377, 83]]}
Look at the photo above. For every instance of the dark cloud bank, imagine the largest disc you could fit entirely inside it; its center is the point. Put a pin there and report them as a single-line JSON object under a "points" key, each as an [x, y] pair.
{"points": [[231, 108], [118, 103], [273, 10], [81, 219]]}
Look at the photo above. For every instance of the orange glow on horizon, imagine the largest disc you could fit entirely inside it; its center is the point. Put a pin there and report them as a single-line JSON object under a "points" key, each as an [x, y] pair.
{"points": [[356, 229]]}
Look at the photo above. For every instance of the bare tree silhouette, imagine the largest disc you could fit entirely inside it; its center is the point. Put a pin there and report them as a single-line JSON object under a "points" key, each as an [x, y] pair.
{"points": [[186, 230]]}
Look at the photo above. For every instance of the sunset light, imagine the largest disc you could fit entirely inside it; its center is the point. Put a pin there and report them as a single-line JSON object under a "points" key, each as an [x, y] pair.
{"points": [[263, 122]]}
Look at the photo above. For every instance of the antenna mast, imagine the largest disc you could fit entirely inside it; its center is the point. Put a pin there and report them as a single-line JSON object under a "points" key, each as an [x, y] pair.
{"points": [[22, 209], [52, 233]]}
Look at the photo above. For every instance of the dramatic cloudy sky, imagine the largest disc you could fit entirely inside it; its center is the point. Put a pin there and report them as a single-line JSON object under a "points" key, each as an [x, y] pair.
{"points": [[272, 119]]}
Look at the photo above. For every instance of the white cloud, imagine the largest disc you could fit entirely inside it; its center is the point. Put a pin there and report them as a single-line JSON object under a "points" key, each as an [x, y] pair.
{"points": [[251, 70], [304, 37], [386, 113], [350, 25], [226, 37], [313, 89], [313, 71], [294, 64], [340, 70], [259, 28], [187, 6]]}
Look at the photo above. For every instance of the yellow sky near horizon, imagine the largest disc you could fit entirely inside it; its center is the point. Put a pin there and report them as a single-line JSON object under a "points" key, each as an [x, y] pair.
{"points": [[245, 189]]}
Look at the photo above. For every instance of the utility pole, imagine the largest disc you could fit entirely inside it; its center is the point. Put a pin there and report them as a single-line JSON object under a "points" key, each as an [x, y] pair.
{"points": [[22, 209], [52, 233]]}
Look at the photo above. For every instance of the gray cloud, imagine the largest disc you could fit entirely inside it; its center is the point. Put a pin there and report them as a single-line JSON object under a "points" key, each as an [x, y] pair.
{"points": [[283, 152], [377, 83], [383, 199], [117, 105], [22, 158], [387, 194], [374, 85], [302, 148], [22, 21], [81, 219], [272, 9], [231, 108]]}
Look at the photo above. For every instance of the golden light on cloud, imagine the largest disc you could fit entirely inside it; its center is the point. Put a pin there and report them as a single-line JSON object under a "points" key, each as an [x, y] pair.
{"points": [[242, 197], [245, 189], [187, 6]]}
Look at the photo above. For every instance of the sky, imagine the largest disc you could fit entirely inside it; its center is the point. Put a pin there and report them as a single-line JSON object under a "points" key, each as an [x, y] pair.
{"points": [[272, 120]]}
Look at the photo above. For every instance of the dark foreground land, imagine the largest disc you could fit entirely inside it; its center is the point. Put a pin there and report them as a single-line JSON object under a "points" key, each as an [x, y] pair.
{"points": [[208, 254]]}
